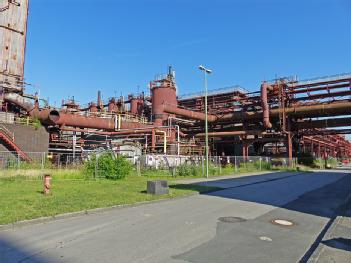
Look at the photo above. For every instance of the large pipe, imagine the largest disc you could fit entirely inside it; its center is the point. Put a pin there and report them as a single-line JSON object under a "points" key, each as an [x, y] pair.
{"points": [[232, 133], [318, 110], [264, 103], [51, 117], [127, 132], [335, 122], [188, 113], [20, 101], [33, 111], [74, 120]]}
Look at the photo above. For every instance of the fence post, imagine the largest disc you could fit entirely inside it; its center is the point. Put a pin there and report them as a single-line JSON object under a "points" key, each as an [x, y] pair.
{"points": [[203, 166], [138, 167], [42, 160], [96, 164], [260, 163], [18, 162], [236, 168], [220, 165]]}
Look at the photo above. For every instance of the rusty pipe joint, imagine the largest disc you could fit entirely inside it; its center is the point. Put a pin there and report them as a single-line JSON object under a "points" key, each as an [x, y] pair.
{"points": [[264, 103]]}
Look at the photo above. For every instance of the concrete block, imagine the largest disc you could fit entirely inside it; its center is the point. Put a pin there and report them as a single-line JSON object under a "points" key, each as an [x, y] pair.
{"points": [[159, 187]]}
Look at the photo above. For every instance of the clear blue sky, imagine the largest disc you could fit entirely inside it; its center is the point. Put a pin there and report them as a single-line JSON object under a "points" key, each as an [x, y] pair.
{"points": [[75, 47]]}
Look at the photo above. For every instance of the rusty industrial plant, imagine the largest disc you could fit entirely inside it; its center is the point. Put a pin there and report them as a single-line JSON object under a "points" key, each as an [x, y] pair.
{"points": [[284, 117]]}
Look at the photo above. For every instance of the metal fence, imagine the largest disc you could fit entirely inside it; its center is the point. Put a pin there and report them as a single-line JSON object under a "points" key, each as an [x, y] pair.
{"points": [[151, 164], [39, 160], [195, 165]]}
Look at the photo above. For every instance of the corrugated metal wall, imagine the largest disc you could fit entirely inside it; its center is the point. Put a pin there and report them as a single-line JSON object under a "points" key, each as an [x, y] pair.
{"points": [[13, 29]]}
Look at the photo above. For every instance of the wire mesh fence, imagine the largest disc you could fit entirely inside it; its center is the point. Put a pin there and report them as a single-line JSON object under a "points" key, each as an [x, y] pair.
{"points": [[12, 163], [217, 165]]}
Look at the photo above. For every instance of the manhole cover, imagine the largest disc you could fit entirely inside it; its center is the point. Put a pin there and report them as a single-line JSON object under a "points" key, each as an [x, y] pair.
{"points": [[263, 238], [231, 219], [282, 222]]}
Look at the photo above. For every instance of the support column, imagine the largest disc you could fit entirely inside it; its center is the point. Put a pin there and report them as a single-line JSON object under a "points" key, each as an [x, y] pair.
{"points": [[153, 140], [245, 149], [289, 144], [289, 148]]}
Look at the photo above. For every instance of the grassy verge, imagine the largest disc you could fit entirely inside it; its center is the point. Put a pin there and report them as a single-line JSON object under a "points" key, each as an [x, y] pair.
{"points": [[21, 190], [23, 199]]}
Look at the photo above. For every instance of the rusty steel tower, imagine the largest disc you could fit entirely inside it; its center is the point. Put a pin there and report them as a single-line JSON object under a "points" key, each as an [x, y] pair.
{"points": [[13, 31]]}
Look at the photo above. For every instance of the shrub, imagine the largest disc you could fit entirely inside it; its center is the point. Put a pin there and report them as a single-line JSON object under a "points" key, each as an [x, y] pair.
{"points": [[189, 170], [108, 166], [305, 158], [228, 169], [266, 165]]}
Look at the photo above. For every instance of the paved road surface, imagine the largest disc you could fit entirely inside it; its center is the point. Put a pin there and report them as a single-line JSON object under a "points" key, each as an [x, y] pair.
{"points": [[189, 229]]}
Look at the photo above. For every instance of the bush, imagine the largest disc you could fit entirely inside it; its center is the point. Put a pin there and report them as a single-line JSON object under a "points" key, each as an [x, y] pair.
{"points": [[108, 166], [188, 170], [305, 159]]}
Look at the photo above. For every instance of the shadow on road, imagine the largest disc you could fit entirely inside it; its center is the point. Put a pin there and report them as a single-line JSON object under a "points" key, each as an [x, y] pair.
{"points": [[234, 241], [324, 198], [12, 253], [339, 243]]}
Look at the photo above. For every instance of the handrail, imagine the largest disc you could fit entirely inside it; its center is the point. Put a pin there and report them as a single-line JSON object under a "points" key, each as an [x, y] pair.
{"points": [[7, 132]]}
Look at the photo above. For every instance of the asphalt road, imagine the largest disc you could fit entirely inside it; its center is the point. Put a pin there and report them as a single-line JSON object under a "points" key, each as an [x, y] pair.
{"points": [[193, 229]]}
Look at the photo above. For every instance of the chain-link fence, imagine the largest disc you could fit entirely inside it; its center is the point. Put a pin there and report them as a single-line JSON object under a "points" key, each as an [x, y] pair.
{"points": [[12, 163], [218, 165]]}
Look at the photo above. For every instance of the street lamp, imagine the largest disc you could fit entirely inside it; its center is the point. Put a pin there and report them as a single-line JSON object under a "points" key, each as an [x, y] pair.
{"points": [[206, 71]]}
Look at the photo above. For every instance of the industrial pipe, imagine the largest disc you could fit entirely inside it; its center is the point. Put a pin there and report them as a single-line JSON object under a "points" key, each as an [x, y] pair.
{"points": [[188, 113], [111, 133], [74, 120], [19, 100], [264, 103], [335, 122], [51, 117], [22, 102], [229, 133]]}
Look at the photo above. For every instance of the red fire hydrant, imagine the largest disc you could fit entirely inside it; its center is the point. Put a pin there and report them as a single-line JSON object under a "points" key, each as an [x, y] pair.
{"points": [[47, 184]]}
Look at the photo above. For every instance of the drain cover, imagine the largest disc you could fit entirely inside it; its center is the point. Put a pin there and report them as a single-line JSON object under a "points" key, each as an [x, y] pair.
{"points": [[231, 219], [263, 238], [282, 222]]}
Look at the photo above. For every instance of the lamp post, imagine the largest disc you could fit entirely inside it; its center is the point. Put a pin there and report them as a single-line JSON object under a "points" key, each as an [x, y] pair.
{"points": [[206, 71]]}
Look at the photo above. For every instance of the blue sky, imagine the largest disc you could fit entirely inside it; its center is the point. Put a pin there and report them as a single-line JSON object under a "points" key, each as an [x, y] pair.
{"points": [[75, 47]]}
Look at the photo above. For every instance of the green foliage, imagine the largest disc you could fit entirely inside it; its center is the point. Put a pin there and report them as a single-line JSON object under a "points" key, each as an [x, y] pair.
{"points": [[36, 123], [333, 162], [228, 169], [156, 172], [109, 166], [266, 166], [255, 166], [36, 163], [23, 199], [319, 163], [189, 170], [306, 159]]}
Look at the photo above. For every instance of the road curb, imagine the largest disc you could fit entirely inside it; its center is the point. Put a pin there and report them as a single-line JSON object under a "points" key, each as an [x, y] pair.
{"points": [[100, 210], [43, 220]]}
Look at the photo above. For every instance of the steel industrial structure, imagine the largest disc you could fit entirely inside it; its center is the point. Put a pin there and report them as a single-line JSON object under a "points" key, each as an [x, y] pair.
{"points": [[285, 116]]}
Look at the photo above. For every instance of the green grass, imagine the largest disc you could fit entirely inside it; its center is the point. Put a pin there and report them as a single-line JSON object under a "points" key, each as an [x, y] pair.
{"points": [[22, 199], [21, 190]]}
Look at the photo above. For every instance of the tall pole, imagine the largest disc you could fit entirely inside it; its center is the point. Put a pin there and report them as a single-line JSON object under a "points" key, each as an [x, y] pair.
{"points": [[206, 123], [206, 71]]}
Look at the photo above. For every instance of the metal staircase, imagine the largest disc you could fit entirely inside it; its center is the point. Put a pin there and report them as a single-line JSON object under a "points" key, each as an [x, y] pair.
{"points": [[8, 139]]}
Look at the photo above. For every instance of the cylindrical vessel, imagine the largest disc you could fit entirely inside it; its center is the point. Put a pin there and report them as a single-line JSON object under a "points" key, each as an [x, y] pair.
{"points": [[165, 93]]}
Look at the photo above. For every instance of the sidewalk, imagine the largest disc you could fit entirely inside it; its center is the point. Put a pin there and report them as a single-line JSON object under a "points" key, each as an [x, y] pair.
{"points": [[234, 180], [336, 244]]}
